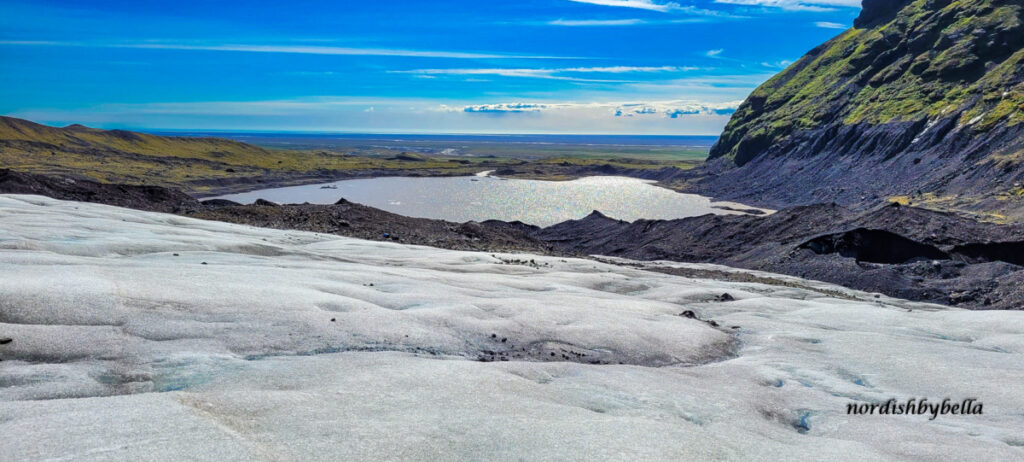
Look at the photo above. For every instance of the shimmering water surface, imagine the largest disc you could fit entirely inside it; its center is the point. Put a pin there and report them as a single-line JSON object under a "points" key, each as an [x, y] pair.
{"points": [[480, 198]]}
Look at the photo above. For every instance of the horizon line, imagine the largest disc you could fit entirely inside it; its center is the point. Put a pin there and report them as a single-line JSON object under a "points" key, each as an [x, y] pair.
{"points": [[63, 124], [400, 133]]}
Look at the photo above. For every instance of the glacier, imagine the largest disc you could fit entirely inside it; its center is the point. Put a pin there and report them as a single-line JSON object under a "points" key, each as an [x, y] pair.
{"points": [[148, 336]]}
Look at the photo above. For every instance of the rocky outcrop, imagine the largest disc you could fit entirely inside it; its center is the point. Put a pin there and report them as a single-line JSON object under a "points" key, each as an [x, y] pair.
{"points": [[920, 98]]}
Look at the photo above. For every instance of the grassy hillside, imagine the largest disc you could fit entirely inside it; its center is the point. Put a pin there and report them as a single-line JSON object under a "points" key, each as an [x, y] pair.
{"points": [[195, 165], [931, 59], [921, 102], [206, 165]]}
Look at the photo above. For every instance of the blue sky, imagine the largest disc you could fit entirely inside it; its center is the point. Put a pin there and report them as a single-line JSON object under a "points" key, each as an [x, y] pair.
{"points": [[437, 66]]}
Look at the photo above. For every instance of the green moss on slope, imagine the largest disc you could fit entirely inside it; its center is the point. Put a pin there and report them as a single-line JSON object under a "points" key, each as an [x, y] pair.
{"points": [[186, 163], [934, 58]]}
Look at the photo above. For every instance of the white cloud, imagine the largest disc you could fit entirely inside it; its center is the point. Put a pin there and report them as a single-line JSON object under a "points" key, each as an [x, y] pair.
{"points": [[320, 50], [830, 25], [672, 109], [31, 42], [595, 22], [295, 49], [535, 73], [555, 73], [499, 108], [639, 4], [623, 69], [714, 53], [797, 5], [662, 7]]}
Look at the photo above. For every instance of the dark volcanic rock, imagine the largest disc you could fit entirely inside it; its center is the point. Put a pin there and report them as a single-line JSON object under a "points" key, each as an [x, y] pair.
{"points": [[149, 198], [874, 246], [1009, 252], [706, 238], [903, 252], [355, 220], [219, 203], [264, 203]]}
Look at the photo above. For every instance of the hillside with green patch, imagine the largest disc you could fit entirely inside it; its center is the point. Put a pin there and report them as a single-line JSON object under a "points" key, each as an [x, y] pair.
{"points": [[921, 98], [194, 165]]}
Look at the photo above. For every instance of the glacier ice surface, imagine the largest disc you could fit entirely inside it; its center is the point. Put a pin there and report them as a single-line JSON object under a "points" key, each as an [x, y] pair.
{"points": [[149, 336]]}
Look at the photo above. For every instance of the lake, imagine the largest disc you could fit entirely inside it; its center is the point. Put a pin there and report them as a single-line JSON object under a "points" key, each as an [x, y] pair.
{"points": [[479, 198]]}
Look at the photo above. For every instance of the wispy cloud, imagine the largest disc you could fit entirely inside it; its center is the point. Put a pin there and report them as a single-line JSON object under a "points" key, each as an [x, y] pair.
{"points": [[639, 4], [624, 69], [555, 74], [294, 106], [830, 25], [595, 22], [778, 64], [662, 7], [526, 73], [796, 5], [722, 87], [714, 53], [321, 50], [31, 43], [293, 49], [696, 16]]}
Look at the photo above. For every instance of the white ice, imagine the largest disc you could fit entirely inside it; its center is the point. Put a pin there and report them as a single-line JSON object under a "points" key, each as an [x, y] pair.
{"points": [[123, 350]]}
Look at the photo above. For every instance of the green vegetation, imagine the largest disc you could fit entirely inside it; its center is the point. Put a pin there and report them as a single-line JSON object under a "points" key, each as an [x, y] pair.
{"points": [[215, 165], [963, 58], [922, 101], [189, 164]]}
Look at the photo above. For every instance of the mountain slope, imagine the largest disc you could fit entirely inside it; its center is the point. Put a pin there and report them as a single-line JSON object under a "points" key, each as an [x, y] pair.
{"points": [[194, 165], [123, 156], [921, 98], [14, 130]]}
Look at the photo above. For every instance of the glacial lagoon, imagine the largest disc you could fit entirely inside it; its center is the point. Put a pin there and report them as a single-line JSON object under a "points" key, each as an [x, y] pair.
{"points": [[483, 197]]}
